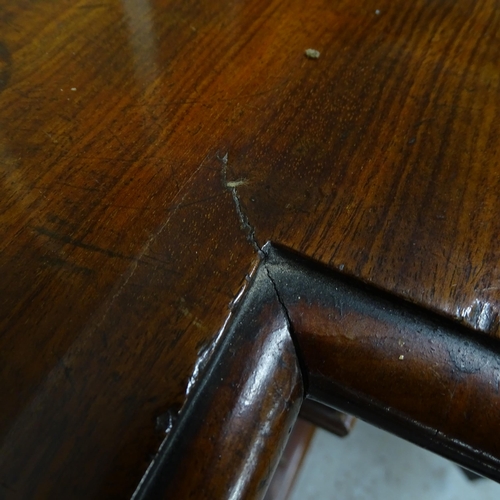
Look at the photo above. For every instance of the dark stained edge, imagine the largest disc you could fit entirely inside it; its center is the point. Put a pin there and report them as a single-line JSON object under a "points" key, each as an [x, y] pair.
{"points": [[304, 330], [230, 435]]}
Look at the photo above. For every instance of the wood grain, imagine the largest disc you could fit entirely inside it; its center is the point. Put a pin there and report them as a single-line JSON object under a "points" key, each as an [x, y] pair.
{"points": [[123, 242], [301, 329]]}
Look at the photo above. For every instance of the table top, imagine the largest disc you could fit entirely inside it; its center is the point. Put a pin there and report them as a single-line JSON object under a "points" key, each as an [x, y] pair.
{"points": [[150, 149]]}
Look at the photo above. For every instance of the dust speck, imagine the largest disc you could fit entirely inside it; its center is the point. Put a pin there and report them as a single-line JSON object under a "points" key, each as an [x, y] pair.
{"points": [[235, 184], [312, 54], [377, 12]]}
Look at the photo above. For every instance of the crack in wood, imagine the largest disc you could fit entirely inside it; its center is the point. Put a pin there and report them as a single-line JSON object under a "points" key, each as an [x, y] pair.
{"points": [[311, 331], [242, 217]]}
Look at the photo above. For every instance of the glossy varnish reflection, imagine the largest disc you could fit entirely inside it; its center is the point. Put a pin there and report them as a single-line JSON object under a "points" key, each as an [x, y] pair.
{"points": [[395, 365], [399, 367], [122, 244], [231, 433]]}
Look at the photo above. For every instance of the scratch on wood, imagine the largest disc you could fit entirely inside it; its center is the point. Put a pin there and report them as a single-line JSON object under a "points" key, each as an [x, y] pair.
{"points": [[68, 240], [148, 243], [231, 187]]}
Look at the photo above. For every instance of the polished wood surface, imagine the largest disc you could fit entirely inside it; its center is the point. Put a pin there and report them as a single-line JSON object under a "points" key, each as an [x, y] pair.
{"points": [[148, 149], [232, 432], [301, 329], [289, 466], [400, 367]]}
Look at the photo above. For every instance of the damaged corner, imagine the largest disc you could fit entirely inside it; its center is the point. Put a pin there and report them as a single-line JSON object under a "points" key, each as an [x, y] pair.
{"points": [[269, 251]]}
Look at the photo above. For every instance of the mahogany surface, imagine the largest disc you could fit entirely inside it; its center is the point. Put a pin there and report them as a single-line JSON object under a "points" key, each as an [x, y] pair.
{"points": [[148, 149], [289, 466], [302, 330], [234, 427]]}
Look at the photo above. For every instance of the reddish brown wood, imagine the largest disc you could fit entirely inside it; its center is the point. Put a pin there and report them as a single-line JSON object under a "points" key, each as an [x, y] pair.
{"points": [[327, 418], [402, 368], [124, 237], [231, 433], [291, 461], [360, 350]]}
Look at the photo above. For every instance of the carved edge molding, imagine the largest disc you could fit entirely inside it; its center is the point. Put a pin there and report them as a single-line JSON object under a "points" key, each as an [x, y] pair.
{"points": [[303, 331]]}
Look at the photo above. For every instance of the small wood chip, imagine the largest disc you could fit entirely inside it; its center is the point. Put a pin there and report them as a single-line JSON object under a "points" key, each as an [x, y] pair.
{"points": [[312, 54]]}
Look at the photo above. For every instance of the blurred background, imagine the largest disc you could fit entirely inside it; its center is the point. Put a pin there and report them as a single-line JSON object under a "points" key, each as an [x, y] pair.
{"points": [[372, 464]]}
